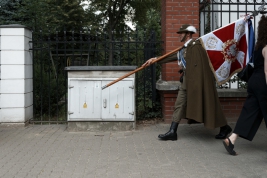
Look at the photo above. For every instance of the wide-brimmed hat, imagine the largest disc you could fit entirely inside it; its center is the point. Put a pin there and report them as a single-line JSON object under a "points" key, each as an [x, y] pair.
{"points": [[187, 28]]}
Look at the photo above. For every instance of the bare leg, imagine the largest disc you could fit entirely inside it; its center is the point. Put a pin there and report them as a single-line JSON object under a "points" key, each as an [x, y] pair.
{"points": [[233, 137], [229, 144]]}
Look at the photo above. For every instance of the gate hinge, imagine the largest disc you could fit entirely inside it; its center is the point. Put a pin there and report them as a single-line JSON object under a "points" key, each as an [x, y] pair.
{"points": [[70, 113], [71, 86], [132, 113], [132, 87]]}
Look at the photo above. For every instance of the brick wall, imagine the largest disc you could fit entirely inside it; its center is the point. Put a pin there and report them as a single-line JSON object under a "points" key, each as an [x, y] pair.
{"points": [[175, 13], [168, 99], [231, 106]]}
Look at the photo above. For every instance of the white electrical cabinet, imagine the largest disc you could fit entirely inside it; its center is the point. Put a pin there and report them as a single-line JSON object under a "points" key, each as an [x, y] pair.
{"points": [[88, 102]]}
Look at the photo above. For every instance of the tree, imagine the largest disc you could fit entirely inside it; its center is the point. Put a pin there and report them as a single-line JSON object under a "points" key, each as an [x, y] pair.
{"points": [[112, 15], [146, 11], [51, 15], [8, 10], [68, 14], [32, 13]]}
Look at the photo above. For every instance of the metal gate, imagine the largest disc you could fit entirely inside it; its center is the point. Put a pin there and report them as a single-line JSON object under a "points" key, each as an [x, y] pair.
{"points": [[218, 13], [52, 52]]}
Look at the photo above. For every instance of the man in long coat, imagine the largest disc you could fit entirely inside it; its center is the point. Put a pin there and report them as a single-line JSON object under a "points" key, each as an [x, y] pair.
{"points": [[197, 98]]}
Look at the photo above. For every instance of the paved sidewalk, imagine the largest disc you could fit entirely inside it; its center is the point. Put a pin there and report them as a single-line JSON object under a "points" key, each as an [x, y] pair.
{"points": [[50, 151]]}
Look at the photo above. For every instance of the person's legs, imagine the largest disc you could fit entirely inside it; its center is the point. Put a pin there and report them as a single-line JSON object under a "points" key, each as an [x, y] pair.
{"points": [[178, 114], [263, 105], [250, 119], [229, 144], [221, 122], [171, 134], [247, 123], [233, 137]]}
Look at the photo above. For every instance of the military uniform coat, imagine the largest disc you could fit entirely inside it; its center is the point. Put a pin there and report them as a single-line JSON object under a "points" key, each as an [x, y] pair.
{"points": [[203, 104]]}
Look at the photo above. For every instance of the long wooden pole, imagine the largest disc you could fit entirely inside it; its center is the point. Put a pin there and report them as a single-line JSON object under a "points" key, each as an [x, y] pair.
{"points": [[140, 68]]}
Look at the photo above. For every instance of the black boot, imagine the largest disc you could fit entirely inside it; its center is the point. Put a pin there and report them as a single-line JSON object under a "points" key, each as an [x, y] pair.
{"points": [[224, 131], [171, 134]]}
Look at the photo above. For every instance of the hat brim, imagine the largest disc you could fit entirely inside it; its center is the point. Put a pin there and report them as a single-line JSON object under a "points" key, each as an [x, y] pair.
{"points": [[184, 31]]}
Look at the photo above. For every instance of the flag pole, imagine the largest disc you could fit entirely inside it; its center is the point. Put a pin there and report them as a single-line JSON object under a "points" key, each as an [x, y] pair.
{"points": [[142, 67]]}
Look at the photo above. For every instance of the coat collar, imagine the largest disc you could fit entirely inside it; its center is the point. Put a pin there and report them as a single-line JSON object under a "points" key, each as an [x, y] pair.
{"points": [[191, 42], [186, 43]]}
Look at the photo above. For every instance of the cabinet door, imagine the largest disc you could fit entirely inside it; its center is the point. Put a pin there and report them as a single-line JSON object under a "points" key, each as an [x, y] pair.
{"points": [[84, 101], [118, 101]]}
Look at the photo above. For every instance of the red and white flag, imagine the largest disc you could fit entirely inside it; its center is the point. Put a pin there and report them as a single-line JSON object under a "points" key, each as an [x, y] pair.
{"points": [[227, 49]]}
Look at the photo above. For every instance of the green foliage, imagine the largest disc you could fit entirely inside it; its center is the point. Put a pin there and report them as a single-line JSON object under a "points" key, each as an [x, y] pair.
{"points": [[146, 105], [49, 87], [8, 10], [240, 84], [152, 24], [68, 14], [147, 12], [111, 17], [32, 13], [44, 14]]}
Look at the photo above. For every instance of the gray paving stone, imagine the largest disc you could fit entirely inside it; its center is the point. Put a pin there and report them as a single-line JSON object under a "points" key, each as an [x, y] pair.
{"points": [[52, 151]]}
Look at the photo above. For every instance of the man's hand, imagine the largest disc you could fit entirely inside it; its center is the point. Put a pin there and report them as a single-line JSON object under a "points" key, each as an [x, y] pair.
{"points": [[149, 61], [181, 75]]}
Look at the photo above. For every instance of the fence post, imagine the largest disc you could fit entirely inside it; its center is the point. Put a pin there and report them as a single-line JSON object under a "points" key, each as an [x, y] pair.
{"points": [[16, 71]]}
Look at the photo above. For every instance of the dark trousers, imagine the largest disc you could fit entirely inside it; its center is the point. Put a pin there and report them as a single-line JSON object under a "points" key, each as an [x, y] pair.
{"points": [[253, 111]]}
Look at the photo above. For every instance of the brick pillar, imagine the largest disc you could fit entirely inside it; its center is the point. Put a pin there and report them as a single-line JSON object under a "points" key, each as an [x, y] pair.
{"points": [[174, 13]]}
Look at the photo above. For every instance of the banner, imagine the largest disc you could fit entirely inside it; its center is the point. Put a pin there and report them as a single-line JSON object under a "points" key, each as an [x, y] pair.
{"points": [[228, 49]]}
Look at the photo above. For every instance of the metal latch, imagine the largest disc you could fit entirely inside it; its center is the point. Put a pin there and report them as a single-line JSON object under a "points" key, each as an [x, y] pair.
{"points": [[132, 113], [104, 103], [132, 87], [71, 87], [70, 113]]}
